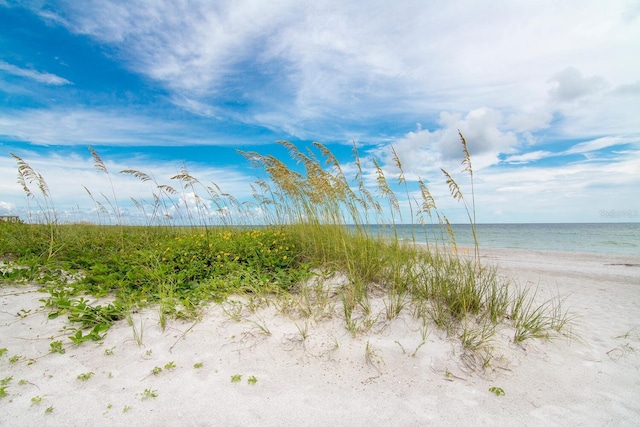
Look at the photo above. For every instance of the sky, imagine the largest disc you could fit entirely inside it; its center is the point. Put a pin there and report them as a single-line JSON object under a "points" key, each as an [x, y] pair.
{"points": [[546, 93]]}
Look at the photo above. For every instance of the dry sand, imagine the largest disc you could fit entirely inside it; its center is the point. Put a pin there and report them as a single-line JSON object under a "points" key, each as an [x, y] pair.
{"points": [[327, 378]]}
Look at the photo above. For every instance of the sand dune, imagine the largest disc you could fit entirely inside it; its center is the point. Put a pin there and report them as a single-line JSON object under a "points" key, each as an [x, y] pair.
{"points": [[297, 371]]}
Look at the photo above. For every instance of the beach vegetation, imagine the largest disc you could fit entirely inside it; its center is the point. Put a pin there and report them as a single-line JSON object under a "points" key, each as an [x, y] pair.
{"points": [[497, 391], [372, 356], [532, 319], [315, 223], [56, 347], [85, 376], [149, 393]]}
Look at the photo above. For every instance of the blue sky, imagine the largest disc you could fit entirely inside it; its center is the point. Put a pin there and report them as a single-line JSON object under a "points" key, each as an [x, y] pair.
{"points": [[546, 93]]}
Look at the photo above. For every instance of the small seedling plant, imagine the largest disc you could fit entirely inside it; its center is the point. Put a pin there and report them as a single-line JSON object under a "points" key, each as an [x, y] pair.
{"points": [[3, 386], [56, 347], [497, 391], [149, 393], [37, 399], [85, 376]]}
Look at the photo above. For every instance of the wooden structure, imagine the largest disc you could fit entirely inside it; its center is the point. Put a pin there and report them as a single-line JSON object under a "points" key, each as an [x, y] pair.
{"points": [[10, 218]]}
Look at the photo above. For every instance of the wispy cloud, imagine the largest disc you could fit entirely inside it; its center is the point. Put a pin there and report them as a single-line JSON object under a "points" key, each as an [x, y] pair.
{"points": [[528, 157], [330, 59], [37, 76], [601, 143], [103, 126]]}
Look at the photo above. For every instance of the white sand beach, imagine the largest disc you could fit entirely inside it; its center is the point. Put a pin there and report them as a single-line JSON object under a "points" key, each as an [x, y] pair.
{"points": [[313, 372]]}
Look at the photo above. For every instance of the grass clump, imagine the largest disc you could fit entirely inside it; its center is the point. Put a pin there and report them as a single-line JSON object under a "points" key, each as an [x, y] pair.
{"points": [[315, 220], [85, 376]]}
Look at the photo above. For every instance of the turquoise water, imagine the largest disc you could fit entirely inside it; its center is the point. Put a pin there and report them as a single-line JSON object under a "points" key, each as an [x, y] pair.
{"points": [[620, 238]]}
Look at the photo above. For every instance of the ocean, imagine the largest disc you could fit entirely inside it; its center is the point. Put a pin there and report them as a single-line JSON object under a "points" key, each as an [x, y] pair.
{"points": [[619, 238]]}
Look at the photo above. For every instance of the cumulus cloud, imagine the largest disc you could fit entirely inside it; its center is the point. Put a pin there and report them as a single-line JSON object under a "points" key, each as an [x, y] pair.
{"points": [[423, 152], [571, 85], [40, 77]]}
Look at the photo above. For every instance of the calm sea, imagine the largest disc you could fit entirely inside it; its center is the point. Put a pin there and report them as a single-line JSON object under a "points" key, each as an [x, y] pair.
{"points": [[621, 238]]}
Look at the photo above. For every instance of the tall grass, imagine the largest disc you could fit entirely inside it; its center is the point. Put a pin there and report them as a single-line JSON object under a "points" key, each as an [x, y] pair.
{"points": [[315, 219], [27, 176]]}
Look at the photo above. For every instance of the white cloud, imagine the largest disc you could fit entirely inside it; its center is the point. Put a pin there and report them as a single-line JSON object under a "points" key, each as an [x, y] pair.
{"points": [[566, 193], [338, 59], [571, 85], [528, 157], [585, 148], [599, 144], [7, 207], [40, 77], [187, 46], [632, 89], [423, 152], [79, 126]]}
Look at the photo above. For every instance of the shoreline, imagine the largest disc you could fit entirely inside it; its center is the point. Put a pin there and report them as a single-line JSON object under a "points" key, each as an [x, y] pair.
{"points": [[313, 372]]}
